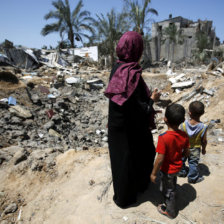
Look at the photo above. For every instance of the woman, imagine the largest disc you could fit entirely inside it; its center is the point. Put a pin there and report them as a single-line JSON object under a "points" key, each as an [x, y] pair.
{"points": [[131, 116]]}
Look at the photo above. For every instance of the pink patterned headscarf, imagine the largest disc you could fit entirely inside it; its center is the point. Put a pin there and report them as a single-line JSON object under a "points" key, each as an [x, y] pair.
{"points": [[125, 79]]}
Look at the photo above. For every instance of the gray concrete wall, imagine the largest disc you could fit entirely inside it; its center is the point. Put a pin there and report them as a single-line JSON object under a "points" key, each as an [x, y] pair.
{"points": [[161, 48]]}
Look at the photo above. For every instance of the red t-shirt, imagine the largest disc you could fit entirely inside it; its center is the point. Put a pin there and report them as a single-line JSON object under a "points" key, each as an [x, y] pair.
{"points": [[171, 144]]}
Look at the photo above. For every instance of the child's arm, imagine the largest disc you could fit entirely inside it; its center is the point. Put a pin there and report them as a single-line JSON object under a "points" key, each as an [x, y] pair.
{"points": [[157, 165], [186, 152], [204, 143]]}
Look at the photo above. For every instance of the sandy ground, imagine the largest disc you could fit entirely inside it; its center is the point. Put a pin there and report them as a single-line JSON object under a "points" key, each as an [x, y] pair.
{"points": [[79, 189], [82, 193]]}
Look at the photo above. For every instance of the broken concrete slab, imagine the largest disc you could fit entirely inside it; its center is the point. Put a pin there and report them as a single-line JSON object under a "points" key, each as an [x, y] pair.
{"points": [[48, 125], [20, 111], [188, 96], [214, 73], [54, 133], [170, 72], [181, 85], [220, 70], [177, 78], [73, 80], [209, 92], [10, 208], [95, 83], [200, 98]]}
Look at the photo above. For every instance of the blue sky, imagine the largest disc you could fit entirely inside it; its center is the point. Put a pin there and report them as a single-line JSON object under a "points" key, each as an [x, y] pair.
{"points": [[21, 21]]}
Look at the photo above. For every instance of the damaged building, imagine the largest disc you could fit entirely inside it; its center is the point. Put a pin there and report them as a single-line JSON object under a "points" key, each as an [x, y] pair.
{"points": [[178, 38]]}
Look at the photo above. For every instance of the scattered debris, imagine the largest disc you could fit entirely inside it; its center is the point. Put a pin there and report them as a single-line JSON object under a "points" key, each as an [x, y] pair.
{"points": [[105, 190], [95, 83], [23, 58], [181, 85], [72, 80], [125, 218], [209, 92], [20, 111], [91, 182], [11, 101], [11, 208]]}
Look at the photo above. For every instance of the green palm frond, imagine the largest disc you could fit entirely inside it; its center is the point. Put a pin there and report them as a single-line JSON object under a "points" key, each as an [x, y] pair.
{"points": [[109, 28], [52, 15], [174, 34], [84, 14], [72, 23], [87, 27], [140, 14], [152, 11], [50, 28], [202, 41], [77, 9]]}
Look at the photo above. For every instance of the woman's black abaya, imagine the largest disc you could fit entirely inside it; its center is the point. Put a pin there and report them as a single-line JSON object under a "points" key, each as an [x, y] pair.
{"points": [[131, 145]]}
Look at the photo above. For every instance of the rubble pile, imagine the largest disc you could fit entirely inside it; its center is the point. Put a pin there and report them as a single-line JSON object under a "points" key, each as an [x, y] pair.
{"points": [[201, 83], [65, 117], [190, 85], [58, 107], [55, 103]]}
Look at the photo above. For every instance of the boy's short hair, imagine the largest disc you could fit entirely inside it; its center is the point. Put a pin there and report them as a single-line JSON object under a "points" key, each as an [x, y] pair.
{"points": [[175, 114], [197, 108]]}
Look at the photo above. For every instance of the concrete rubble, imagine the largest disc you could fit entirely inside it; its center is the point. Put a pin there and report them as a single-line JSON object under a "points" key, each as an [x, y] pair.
{"points": [[74, 110], [58, 105], [49, 108]]}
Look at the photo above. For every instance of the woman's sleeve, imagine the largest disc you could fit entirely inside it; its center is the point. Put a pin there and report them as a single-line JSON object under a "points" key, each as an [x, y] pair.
{"points": [[146, 105]]}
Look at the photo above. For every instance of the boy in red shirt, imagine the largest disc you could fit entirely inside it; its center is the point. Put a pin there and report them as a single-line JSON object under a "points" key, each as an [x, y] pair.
{"points": [[172, 145]]}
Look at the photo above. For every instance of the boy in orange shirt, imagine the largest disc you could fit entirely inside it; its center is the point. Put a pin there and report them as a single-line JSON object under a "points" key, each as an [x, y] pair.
{"points": [[172, 145]]}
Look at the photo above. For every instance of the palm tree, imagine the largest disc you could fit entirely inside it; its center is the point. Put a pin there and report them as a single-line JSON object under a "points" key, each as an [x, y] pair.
{"points": [[140, 17], [75, 24], [203, 41], [173, 35], [110, 28], [140, 14]]}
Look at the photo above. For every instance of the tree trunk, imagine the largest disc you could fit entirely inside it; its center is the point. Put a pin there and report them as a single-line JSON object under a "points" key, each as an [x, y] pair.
{"points": [[173, 46], [213, 46], [168, 50], [71, 37], [112, 50], [147, 54], [112, 58], [159, 45], [185, 48]]}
